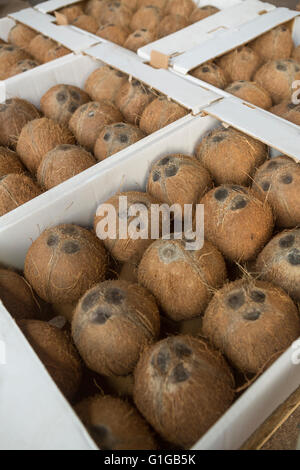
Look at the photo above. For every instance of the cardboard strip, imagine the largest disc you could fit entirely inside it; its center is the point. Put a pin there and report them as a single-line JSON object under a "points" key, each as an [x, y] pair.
{"points": [[159, 60]]}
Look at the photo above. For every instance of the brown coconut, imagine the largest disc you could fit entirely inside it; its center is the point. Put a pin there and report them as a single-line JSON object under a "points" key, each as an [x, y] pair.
{"points": [[182, 387], [170, 24], [274, 45], [114, 424], [113, 33], [37, 138], [203, 12], [240, 64], [88, 23], [296, 54], [236, 222], [9, 162], [128, 272], [39, 47], [132, 5], [72, 12], [115, 12], [278, 182], [118, 385], [14, 115], [9, 56], [105, 83], [62, 163], [287, 110], [21, 35], [148, 17], [252, 323], [160, 113], [22, 66], [277, 77], [279, 262], [168, 270], [231, 156], [161, 4], [89, 120], [127, 248], [251, 92], [140, 38], [94, 8], [15, 190], [119, 313], [57, 352], [211, 73], [64, 262], [61, 101], [132, 99], [55, 53], [178, 179], [116, 137], [180, 7]]}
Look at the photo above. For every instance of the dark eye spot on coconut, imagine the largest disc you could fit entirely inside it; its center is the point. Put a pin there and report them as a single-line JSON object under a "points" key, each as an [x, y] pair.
{"points": [[52, 240], [180, 374], [3, 108], [65, 147], [235, 301], [258, 296], [144, 30], [100, 316], [119, 125], [236, 87], [205, 69], [297, 68], [283, 28], [72, 108], [91, 114], [135, 83], [287, 242], [286, 179], [123, 138], [71, 248], [221, 194], [294, 257], [164, 161], [238, 203], [235, 187], [68, 230], [75, 95], [265, 186], [106, 136], [252, 315], [181, 350], [162, 361], [120, 74], [281, 67], [137, 35], [9, 101], [114, 296], [156, 176], [61, 97], [171, 171], [9, 48], [219, 138], [90, 300]]}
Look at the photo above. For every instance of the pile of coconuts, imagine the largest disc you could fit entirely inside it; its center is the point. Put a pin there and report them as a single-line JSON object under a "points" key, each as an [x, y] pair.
{"points": [[157, 341], [73, 130], [133, 23], [261, 72]]}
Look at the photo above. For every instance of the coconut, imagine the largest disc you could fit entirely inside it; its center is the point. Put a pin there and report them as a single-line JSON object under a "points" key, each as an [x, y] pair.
{"points": [[103, 312], [240, 64], [148, 17], [9, 162], [94, 8], [287, 110], [211, 73], [113, 33], [168, 270], [15, 190], [279, 262], [129, 272], [160, 113], [118, 386], [251, 92], [116, 137], [9, 56], [115, 12], [64, 262], [20, 35], [203, 12], [61, 101], [278, 182], [39, 47], [127, 248], [132, 99], [56, 351], [22, 66], [275, 44], [65, 311], [105, 83], [89, 120], [252, 323], [88, 23], [182, 387], [296, 54], [37, 138], [114, 424], [139, 38], [236, 222], [277, 77], [178, 179], [130, 4], [14, 115], [62, 163], [161, 4], [231, 156], [72, 12], [17, 296], [170, 24], [55, 53], [180, 7]]}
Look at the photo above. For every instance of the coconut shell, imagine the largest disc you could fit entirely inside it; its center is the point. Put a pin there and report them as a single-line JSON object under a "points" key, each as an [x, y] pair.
{"points": [[178, 179], [119, 313], [9, 56], [61, 101], [251, 92], [287, 110], [114, 424], [182, 387], [212, 74], [116, 13], [279, 262], [14, 115], [170, 24], [147, 17], [72, 12], [278, 182], [105, 83], [62, 163], [37, 138], [39, 47], [15, 190], [89, 120], [240, 64], [20, 35], [161, 4], [113, 33], [168, 270], [56, 351], [139, 38], [252, 323], [116, 137], [55, 53], [180, 7], [296, 54], [277, 78], [160, 113], [275, 44], [94, 8], [132, 5], [22, 66], [231, 156], [236, 222], [132, 99], [127, 249], [88, 23], [64, 262], [9, 162], [203, 12]]}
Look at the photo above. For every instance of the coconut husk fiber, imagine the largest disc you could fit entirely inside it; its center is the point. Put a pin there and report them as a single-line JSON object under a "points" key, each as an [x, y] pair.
{"points": [[140, 38], [55, 53], [10, 162], [113, 33], [170, 24], [180, 7], [9, 56], [15, 190], [115, 137], [88, 23], [21, 35], [22, 66], [287, 110], [275, 44], [105, 83], [240, 64], [203, 12], [72, 12], [159, 113], [115, 12], [147, 17], [132, 99], [39, 47], [251, 92], [211, 73]]}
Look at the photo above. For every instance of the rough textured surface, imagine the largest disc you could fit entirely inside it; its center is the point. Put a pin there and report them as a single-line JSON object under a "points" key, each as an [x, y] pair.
{"points": [[115, 12], [132, 99], [203, 12], [211, 73], [251, 92], [275, 44], [86, 22], [20, 35], [159, 113], [9, 56], [116, 137], [170, 24], [140, 38], [9, 162], [22, 66], [105, 83], [287, 110], [180, 7], [55, 53], [15, 190], [240, 64], [39, 47], [148, 17], [113, 33]]}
